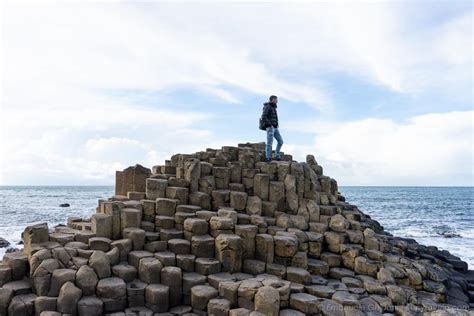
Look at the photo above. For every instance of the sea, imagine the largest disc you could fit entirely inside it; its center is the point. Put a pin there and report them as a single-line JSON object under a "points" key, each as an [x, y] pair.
{"points": [[427, 214]]}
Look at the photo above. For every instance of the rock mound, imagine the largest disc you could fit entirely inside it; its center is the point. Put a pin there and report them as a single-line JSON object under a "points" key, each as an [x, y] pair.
{"points": [[221, 232]]}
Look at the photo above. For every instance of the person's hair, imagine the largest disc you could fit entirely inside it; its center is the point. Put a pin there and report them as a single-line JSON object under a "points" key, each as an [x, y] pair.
{"points": [[272, 97]]}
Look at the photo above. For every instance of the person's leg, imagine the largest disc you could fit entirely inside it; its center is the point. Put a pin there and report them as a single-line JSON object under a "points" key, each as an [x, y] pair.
{"points": [[279, 139], [268, 148]]}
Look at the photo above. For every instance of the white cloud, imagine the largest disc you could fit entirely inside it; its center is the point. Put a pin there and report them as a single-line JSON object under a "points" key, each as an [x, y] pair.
{"points": [[67, 67], [93, 47], [381, 42], [430, 149]]}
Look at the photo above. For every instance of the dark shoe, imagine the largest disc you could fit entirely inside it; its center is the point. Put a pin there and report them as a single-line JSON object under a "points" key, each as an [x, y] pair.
{"points": [[278, 158], [268, 160]]}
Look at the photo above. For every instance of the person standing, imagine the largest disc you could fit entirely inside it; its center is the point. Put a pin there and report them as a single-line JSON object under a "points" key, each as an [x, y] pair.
{"points": [[269, 121]]}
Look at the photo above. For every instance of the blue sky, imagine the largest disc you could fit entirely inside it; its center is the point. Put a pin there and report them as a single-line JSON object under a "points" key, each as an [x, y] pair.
{"points": [[381, 92]]}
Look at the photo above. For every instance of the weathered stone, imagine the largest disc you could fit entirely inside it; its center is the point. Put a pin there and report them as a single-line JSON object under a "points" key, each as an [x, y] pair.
{"points": [[60, 277], [398, 295], [18, 262], [101, 264], [202, 246], [172, 277], [318, 266], [220, 224], [124, 271], [113, 208], [332, 259], [111, 288], [363, 265], [113, 255], [136, 196], [6, 296], [61, 237], [339, 273], [157, 297], [177, 193], [267, 301], [200, 296], [192, 173], [44, 303], [135, 256], [239, 312], [298, 275], [86, 280], [201, 199], [149, 270], [155, 246], [228, 250], [130, 217], [218, 306], [296, 169], [434, 287], [124, 246], [290, 312], [90, 306], [191, 279], [248, 234], [131, 179], [22, 305], [345, 298], [264, 248], [102, 225], [156, 188], [285, 246], [339, 223], [164, 222], [277, 194], [229, 290], [304, 303], [292, 199], [136, 235], [68, 297], [207, 184], [254, 205], [261, 186], [34, 235], [100, 243], [166, 206], [206, 266], [185, 262], [254, 267], [238, 200], [220, 198], [167, 258], [373, 286], [179, 246], [136, 293], [320, 290], [385, 276], [149, 210], [196, 226], [247, 290]]}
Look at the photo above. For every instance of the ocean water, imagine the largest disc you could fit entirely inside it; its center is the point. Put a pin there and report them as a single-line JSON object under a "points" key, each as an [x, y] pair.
{"points": [[21, 206], [422, 213]]}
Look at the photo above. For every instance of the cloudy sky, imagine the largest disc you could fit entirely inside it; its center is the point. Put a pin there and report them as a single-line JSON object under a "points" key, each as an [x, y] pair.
{"points": [[380, 92]]}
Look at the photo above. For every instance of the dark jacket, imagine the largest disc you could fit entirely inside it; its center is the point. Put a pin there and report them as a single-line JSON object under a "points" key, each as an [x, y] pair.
{"points": [[269, 115]]}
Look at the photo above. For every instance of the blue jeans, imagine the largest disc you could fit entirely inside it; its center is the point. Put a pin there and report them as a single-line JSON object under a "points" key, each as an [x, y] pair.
{"points": [[273, 132]]}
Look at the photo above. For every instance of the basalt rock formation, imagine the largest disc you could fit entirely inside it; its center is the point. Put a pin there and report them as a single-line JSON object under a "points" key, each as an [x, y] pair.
{"points": [[221, 232]]}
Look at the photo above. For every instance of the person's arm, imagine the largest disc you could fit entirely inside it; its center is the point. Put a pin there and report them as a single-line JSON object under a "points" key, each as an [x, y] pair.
{"points": [[266, 112]]}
